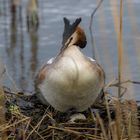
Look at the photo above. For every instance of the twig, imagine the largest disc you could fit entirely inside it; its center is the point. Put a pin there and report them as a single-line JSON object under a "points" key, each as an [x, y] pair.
{"points": [[109, 84], [120, 50], [130, 126], [124, 82], [81, 128], [74, 132], [2, 127], [17, 93], [92, 115], [37, 132], [108, 111], [122, 133], [46, 112], [37, 126], [26, 128], [90, 26], [102, 126]]}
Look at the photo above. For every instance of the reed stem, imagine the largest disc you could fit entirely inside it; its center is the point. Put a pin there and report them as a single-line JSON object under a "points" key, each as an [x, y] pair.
{"points": [[120, 49], [90, 28]]}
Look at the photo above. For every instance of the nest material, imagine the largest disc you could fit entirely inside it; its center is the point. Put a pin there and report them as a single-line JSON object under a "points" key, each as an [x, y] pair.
{"points": [[28, 119]]}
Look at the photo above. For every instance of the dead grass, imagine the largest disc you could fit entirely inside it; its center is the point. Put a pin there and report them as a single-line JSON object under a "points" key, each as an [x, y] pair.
{"points": [[112, 119], [2, 112], [28, 119]]}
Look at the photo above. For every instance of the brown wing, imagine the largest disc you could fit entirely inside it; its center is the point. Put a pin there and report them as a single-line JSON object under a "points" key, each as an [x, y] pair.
{"points": [[101, 75], [41, 74], [39, 78]]}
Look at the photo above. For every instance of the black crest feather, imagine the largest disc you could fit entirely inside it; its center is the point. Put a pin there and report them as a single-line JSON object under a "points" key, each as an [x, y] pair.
{"points": [[69, 29]]}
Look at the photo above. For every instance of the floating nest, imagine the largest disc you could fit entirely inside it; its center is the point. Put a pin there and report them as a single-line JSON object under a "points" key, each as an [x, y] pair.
{"points": [[28, 119]]}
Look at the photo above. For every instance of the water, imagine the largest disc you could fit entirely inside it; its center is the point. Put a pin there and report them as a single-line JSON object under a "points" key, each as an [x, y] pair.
{"points": [[23, 53]]}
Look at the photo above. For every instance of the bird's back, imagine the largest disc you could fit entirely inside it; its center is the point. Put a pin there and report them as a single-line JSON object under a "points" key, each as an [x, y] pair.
{"points": [[72, 82]]}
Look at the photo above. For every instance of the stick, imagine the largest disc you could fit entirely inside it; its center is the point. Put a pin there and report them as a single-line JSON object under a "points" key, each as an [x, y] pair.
{"points": [[90, 26], [120, 50]]}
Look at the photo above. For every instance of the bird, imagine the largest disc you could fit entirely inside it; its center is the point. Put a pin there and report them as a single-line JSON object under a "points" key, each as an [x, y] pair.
{"points": [[70, 79]]}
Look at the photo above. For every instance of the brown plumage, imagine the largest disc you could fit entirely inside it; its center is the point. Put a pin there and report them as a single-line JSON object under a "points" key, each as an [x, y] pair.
{"points": [[81, 40]]}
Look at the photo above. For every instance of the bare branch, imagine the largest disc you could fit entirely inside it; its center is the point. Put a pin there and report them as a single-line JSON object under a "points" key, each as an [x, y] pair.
{"points": [[90, 26]]}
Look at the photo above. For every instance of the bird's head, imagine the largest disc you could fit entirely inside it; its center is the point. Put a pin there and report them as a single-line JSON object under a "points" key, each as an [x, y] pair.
{"points": [[73, 34]]}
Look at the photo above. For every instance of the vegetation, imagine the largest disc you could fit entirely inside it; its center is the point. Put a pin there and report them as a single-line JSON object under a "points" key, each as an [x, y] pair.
{"points": [[110, 119], [23, 117]]}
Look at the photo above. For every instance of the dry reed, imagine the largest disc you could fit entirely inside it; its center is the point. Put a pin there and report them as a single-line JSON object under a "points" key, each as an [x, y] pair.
{"points": [[113, 119], [120, 48]]}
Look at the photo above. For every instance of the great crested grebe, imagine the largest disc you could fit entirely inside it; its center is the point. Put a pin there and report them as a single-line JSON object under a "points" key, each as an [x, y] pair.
{"points": [[71, 79]]}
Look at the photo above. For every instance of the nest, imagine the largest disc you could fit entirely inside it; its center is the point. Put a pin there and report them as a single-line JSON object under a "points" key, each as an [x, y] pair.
{"points": [[28, 119]]}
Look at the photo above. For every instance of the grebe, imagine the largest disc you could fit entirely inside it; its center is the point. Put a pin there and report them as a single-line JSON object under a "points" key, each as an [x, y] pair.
{"points": [[71, 79]]}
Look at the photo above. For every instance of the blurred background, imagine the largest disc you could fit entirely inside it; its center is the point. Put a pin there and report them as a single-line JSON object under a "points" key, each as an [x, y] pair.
{"points": [[31, 33]]}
